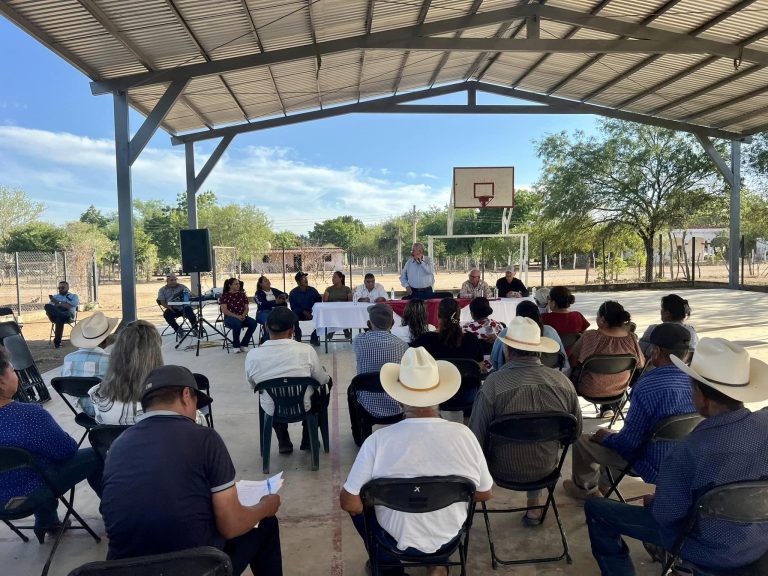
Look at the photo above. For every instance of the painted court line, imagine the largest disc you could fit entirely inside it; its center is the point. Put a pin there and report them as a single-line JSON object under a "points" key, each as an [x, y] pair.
{"points": [[337, 558]]}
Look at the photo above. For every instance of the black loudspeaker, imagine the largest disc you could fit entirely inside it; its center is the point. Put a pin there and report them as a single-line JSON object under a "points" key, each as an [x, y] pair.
{"points": [[195, 250]]}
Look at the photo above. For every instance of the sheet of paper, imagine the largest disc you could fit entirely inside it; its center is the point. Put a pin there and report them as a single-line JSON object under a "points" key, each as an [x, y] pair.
{"points": [[250, 492]]}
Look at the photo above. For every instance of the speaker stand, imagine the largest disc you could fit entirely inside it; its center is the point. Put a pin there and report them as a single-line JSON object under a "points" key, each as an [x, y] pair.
{"points": [[201, 322]]}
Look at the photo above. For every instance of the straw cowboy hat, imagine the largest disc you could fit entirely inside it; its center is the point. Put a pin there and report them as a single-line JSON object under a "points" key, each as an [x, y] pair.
{"points": [[92, 331], [524, 334], [727, 368], [420, 380]]}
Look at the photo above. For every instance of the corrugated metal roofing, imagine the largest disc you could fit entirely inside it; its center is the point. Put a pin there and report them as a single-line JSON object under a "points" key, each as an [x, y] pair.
{"points": [[112, 39]]}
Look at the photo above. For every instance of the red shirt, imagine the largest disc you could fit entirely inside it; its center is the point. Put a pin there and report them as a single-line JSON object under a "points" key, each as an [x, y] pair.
{"points": [[565, 323], [236, 302]]}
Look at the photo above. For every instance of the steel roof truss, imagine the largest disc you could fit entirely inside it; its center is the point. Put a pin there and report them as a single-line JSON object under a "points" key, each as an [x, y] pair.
{"points": [[154, 119]]}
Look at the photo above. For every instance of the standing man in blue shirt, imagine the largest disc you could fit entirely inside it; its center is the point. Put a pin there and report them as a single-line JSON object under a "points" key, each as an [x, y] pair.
{"points": [[61, 310], [418, 275], [302, 299], [729, 446], [665, 391]]}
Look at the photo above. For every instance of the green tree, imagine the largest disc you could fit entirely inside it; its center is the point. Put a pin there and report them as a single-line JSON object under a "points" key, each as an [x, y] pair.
{"points": [[244, 227], [285, 239], [342, 231], [640, 176], [16, 209], [35, 237], [94, 216]]}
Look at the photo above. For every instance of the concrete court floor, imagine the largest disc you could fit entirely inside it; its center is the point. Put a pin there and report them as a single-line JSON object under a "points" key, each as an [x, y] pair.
{"points": [[317, 537]]}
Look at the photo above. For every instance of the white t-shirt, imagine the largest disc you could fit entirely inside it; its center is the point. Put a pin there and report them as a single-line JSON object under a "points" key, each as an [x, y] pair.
{"points": [[421, 447], [404, 332]]}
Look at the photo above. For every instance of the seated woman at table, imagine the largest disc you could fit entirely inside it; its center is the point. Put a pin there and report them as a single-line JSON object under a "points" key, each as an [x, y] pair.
{"points": [[485, 328], [267, 298], [529, 309], [338, 291], [564, 321], [31, 427], [234, 307], [612, 337], [414, 322], [117, 398], [450, 341]]}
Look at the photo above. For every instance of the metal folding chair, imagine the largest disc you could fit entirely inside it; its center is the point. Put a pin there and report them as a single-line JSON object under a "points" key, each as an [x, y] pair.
{"points": [[362, 421], [609, 364], [32, 387], [78, 387], [71, 323], [471, 380]]}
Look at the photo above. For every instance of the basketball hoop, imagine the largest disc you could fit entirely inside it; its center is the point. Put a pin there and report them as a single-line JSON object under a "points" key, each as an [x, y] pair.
{"points": [[484, 200]]}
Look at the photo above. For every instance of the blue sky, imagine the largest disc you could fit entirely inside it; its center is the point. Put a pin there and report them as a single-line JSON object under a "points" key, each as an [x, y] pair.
{"points": [[56, 143]]}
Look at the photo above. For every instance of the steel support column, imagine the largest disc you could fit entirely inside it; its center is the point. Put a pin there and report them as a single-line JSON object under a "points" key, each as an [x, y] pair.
{"points": [[735, 227], [125, 206], [189, 155]]}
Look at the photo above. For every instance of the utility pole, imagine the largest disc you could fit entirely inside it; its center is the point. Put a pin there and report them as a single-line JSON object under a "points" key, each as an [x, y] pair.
{"points": [[413, 220]]}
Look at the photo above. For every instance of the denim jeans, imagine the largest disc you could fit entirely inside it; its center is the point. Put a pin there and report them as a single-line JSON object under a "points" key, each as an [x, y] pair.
{"points": [[607, 520], [261, 318], [84, 465], [236, 325]]}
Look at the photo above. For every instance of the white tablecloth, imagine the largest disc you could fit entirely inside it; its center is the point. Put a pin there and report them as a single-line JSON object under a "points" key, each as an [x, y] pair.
{"points": [[340, 315], [503, 310]]}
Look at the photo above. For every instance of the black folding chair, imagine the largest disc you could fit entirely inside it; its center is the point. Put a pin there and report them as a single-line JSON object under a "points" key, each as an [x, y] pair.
{"points": [[203, 561], [471, 379], [670, 429], [552, 360], [361, 420], [204, 385], [417, 496], [8, 311], [72, 322], [512, 433], [288, 396], [12, 458], [569, 340], [32, 387], [740, 502], [78, 387], [609, 364], [102, 436]]}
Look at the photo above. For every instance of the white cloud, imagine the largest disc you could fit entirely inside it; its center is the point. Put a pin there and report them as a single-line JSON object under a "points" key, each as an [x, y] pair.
{"points": [[69, 172]]}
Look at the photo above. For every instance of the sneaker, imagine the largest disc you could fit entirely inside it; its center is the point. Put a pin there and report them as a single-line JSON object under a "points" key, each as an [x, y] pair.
{"points": [[243, 349], [607, 414], [285, 448], [238, 350], [578, 493]]}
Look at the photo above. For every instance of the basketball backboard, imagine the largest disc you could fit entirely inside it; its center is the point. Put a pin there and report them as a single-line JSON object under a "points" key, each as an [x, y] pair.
{"points": [[492, 187]]}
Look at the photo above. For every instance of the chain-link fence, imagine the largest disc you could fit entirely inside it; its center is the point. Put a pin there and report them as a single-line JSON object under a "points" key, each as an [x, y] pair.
{"points": [[225, 264]]}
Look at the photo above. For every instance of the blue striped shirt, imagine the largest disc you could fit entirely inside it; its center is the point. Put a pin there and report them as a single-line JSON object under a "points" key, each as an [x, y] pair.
{"points": [[662, 392]]}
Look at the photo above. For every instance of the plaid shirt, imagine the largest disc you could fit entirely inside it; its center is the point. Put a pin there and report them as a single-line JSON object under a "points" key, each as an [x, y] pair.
{"points": [[373, 349], [86, 362]]}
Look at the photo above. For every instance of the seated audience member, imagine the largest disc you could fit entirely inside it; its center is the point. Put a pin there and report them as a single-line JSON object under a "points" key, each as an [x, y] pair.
{"points": [[528, 309], [91, 336], [450, 341], [511, 287], [61, 309], [373, 349], [541, 297], [370, 290], [559, 317], [174, 292], [302, 299], [474, 287], [234, 307], [523, 384], [183, 494], [421, 445], [282, 357], [117, 399], [485, 328], [728, 446], [29, 426], [674, 310], [266, 299], [612, 337], [414, 322], [663, 392]]}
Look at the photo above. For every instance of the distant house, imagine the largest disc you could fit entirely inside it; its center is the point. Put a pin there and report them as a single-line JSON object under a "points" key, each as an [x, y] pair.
{"points": [[701, 237], [310, 259]]}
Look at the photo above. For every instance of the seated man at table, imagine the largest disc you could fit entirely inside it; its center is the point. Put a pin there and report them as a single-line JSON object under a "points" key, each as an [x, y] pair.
{"points": [[511, 287], [174, 292], [169, 484], [302, 299], [373, 349], [283, 357], [474, 287], [370, 290], [421, 445], [728, 446], [663, 392]]}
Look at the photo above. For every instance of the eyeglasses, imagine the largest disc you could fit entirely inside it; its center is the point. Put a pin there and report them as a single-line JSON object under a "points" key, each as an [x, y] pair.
{"points": [[474, 276]]}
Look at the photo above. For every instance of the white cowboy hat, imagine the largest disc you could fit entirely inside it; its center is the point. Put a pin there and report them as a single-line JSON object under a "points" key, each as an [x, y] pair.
{"points": [[524, 334], [420, 380], [728, 368], [92, 331]]}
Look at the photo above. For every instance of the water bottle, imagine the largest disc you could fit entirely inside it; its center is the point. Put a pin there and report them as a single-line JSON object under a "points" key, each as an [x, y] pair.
{"points": [[392, 294], [185, 296], [489, 331]]}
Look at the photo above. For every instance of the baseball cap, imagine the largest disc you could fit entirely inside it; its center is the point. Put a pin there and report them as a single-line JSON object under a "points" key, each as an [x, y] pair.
{"points": [[670, 336], [299, 275], [381, 315], [281, 319], [174, 377]]}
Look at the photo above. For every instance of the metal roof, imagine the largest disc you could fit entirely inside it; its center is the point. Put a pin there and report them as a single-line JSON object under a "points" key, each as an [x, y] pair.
{"points": [[702, 63]]}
